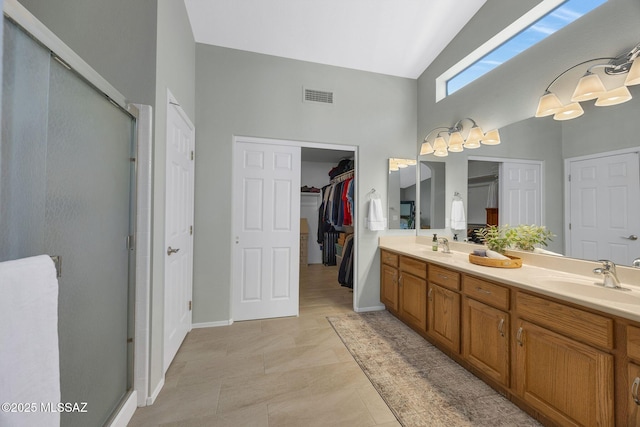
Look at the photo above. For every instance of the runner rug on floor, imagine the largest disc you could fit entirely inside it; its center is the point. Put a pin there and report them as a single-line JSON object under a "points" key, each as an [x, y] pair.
{"points": [[419, 383]]}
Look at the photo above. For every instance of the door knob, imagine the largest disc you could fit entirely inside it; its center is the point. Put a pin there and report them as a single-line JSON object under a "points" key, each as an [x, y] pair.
{"points": [[172, 251], [631, 237]]}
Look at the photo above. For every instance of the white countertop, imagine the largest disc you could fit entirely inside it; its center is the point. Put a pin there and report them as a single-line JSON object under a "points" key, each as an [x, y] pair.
{"points": [[557, 279]]}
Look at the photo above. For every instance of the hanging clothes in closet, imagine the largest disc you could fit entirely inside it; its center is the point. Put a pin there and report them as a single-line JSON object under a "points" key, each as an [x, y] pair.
{"points": [[345, 274], [336, 212]]}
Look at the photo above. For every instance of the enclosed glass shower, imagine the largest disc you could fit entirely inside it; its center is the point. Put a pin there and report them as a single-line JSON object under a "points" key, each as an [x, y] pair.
{"points": [[67, 181]]}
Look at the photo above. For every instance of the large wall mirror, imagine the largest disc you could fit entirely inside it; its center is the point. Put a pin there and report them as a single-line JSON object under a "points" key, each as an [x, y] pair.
{"points": [[432, 194], [402, 194], [600, 150]]}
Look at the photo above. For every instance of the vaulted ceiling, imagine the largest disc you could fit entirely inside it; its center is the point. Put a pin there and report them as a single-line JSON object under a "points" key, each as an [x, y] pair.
{"points": [[394, 37]]}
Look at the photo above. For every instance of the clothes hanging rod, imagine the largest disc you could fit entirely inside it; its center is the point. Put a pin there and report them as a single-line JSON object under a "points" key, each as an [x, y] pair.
{"points": [[342, 177]]}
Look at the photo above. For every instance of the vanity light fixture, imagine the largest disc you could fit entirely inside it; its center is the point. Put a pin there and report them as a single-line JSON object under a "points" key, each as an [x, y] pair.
{"points": [[397, 164], [457, 143], [590, 86]]}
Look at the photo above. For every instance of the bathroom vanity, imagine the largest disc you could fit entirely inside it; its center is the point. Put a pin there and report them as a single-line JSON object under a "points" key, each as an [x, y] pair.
{"points": [[563, 349]]}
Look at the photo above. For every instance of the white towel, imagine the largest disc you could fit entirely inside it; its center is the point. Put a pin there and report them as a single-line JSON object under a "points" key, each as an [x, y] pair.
{"points": [[492, 195], [29, 359], [376, 220], [545, 252], [458, 220]]}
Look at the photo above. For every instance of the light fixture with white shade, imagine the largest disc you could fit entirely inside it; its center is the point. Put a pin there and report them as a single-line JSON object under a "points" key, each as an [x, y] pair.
{"points": [[457, 143], [590, 86]]}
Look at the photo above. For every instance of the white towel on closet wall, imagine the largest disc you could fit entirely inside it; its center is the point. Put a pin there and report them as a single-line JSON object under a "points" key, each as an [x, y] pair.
{"points": [[375, 220], [29, 359], [458, 220]]}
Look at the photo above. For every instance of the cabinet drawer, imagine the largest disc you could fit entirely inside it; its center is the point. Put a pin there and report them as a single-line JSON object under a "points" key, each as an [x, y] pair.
{"points": [[389, 258], [413, 266], [633, 342], [574, 323], [487, 292], [443, 277]]}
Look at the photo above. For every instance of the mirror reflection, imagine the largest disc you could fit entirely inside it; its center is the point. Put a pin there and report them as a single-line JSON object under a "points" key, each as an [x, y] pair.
{"points": [[432, 194], [585, 179], [402, 194]]}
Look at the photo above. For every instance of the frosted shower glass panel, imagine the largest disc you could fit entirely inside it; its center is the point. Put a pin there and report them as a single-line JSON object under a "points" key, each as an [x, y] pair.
{"points": [[23, 146], [88, 220]]}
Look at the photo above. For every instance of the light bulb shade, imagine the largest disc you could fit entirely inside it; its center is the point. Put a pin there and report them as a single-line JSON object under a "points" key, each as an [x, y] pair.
{"points": [[441, 153], [456, 147], [614, 97], [411, 162], [633, 78], [491, 138], [548, 104], [402, 165], [474, 137], [569, 112], [455, 139], [589, 87], [439, 144], [425, 149]]}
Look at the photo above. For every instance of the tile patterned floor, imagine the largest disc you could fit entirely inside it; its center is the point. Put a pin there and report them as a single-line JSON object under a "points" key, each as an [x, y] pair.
{"points": [[278, 372]]}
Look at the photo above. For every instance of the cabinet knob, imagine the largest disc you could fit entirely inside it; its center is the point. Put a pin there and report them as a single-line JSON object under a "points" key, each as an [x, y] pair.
{"points": [[500, 327], [482, 291], [634, 390], [429, 294]]}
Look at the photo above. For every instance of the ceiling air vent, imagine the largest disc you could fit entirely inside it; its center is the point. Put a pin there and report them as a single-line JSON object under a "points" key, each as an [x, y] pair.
{"points": [[321, 96]]}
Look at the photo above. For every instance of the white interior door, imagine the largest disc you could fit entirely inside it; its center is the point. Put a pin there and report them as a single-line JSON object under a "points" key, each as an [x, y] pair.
{"points": [[178, 229], [521, 193], [266, 202], [604, 201]]}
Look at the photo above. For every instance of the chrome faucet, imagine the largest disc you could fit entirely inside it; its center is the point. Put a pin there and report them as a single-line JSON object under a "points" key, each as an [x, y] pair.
{"points": [[608, 271], [445, 245], [636, 263]]}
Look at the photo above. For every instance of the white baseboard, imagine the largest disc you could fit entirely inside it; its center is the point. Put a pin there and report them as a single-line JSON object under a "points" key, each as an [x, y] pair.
{"points": [[367, 309], [126, 412], [156, 392], [212, 324]]}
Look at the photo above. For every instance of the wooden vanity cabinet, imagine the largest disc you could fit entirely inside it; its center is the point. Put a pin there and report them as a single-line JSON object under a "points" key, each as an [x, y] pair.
{"points": [[413, 292], [403, 288], [486, 328], [389, 281], [633, 376], [559, 369], [443, 307]]}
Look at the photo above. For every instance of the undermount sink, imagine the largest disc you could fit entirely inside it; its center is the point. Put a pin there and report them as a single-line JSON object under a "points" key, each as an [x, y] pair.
{"points": [[589, 289]]}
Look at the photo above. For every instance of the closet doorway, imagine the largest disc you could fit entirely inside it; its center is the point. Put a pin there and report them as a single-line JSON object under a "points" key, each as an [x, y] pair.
{"points": [[314, 154]]}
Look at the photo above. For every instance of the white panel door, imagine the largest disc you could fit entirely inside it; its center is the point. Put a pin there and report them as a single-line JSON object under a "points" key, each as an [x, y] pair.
{"points": [[266, 201], [521, 193], [604, 201], [178, 250]]}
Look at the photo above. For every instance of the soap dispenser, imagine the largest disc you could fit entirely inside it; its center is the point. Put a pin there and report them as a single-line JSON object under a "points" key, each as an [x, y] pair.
{"points": [[434, 244]]}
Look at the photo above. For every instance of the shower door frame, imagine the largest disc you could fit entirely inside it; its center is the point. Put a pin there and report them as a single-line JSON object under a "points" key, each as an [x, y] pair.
{"points": [[140, 265]]}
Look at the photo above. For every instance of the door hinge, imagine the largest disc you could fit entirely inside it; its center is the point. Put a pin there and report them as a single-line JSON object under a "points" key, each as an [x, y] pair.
{"points": [[132, 159], [192, 155], [189, 305], [569, 226], [129, 340], [191, 230], [131, 242], [569, 177]]}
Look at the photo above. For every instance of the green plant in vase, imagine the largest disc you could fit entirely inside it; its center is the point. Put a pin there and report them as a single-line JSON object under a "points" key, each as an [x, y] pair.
{"points": [[527, 237], [496, 237]]}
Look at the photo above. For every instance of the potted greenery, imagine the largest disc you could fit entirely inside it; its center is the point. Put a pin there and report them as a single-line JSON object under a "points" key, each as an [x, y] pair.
{"points": [[523, 237]]}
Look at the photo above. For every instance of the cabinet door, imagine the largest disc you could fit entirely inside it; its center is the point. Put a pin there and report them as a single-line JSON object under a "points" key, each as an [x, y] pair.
{"points": [[485, 332], [570, 382], [634, 395], [389, 288], [444, 316], [413, 301]]}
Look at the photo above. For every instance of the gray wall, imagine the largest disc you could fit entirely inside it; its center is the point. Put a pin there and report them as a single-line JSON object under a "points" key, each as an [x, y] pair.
{"points": [[241, 93], [506, 97], [117, 38]]}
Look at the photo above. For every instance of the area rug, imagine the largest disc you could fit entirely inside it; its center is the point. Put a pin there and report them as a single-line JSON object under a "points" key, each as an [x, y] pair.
{"points": [[420, 384]]}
